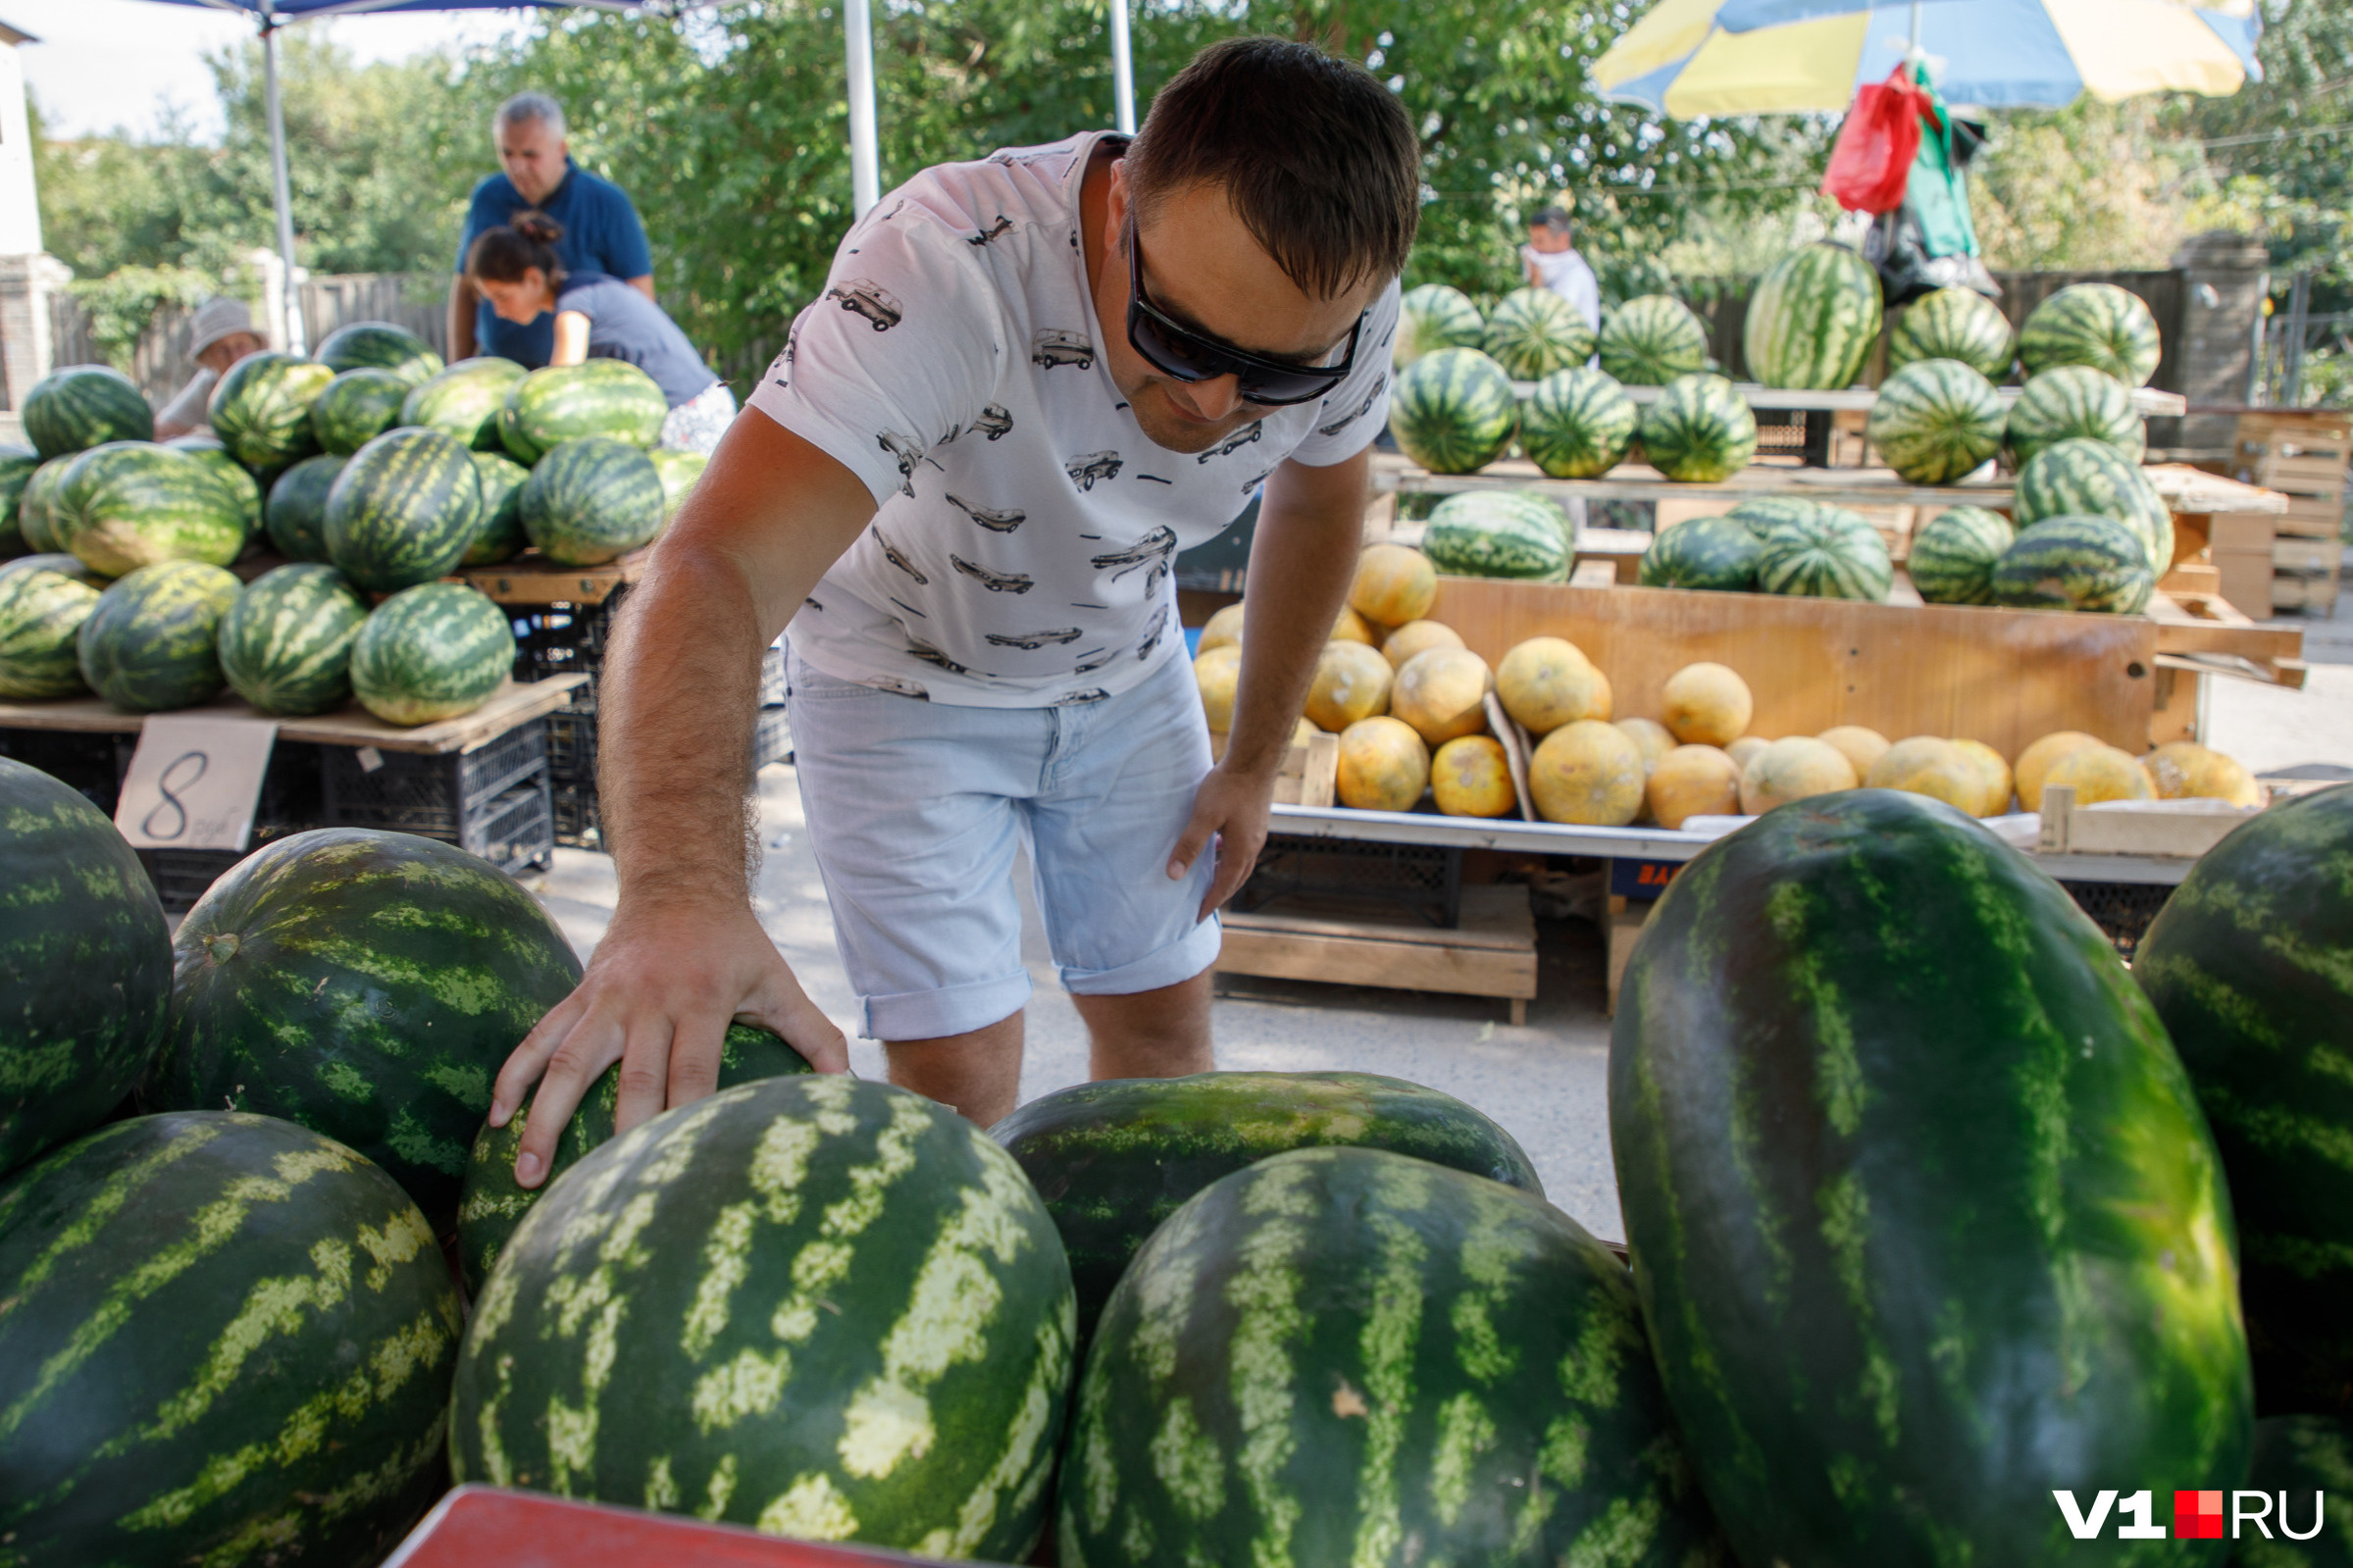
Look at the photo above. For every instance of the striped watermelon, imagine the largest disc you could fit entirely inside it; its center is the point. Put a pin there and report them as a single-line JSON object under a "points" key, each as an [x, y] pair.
{"points": [[2074, 400], [1650, 340], [2299, 1458], [41, 611], [1925, 1222], [2074, 563], [500, 536], [1829, 553], [564, 402], [2098, 325], [1698, 430], [1346, 1355], [1499, 534], [85, 970], [403, 510], [356, 408], [2077, 477], [1716, 553], [368, 985], [678, 472], [1452, 410], [592, 500], [206, 448], [1761, 514], [1433, 317], [297, 510], [228, 1341], [1812, 318], [852, 1321], [286, 644], [36, 508], [129, 504], [149, 645], [2246, 966], [380, 345], [493, 1203], [431, 652], [465, 401], [82, 406], [1954, 324], [1533, 332], [1114, 1159], [1935, 420], [1953, 555], [17, 466], [262, 408], [1578, 425]]}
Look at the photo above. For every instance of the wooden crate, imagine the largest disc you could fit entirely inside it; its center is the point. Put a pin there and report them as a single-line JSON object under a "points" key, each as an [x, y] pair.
{"points": [[2314, 517], [2301, 451], [2306, 557], [2167, 828], [2311, 595], [1490, 953], [1309, 774]]}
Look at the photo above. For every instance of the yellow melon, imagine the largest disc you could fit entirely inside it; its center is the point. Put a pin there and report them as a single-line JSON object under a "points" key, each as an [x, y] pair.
{"points": [[1651, 738], [2035, 761], [1745, 749], [1793, 768], [1393, 585], [1351, 682], [1545, 683], [1443, 693], [1993, 777], [1419, 636], [2098, 773], [1470, 777], [1932, 766], [2183, 770], [1222, 630], [1587, 771], [1693, 781], [1217, 672], [1861, 746], [1353, 628], [1707, 704], [1384, 766]]}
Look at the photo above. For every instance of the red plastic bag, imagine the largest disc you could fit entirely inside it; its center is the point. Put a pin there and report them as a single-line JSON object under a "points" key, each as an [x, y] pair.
{"points": [[1873, 161]]}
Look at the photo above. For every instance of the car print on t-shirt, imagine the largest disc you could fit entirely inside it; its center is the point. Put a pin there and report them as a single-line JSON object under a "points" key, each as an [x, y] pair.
{"points": [[1363, 409], [917, 648], [994, 581], [1032, 641], [868, 298], [1004, 225], [1054, 346], [994, 522], [995, 421], [1235, 442], [906, 454], [892, 555], [1086, 469], [1151, 550]]}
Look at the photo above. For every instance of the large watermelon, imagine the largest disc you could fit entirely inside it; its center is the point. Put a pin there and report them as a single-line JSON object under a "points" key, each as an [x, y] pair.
{"points": [[1718, 553], [1577, 424], [1498, 534], [2248, 966], [1761, 514], [86, 970], [1433, 317], [822, 1307], [1533, 332], [206, 448], [2098, 325], [2074, 400], [679, 471], [1935, 420], [356, 408], [83, 406], [1812, 318], [2077, 478], [41, 611], [1452, 410], [228, 1342], [592, 500], [1925, 1219], [1953, 555], [1824, 553], [1698, 430], [564, 402], [403, 510], [297, 510], [53, 561], [368, 985], [17, 466], [493, 1203], [2306, 1464], [129, 504], [1650, 340], [1954, 324], [1113, 1159], [380, 345], [149, 642], [262, 408], [36, 516], [431, 652], [500, 536], [1346, 1356], [465, 400], [2074, 563], [286, 644]]}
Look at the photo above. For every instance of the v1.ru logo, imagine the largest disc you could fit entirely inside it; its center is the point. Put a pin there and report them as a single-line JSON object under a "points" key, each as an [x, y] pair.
{"points": [[2197, 1515]]}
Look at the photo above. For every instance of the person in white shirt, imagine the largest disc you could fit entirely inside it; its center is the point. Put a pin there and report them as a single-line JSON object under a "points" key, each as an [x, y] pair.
{"points": [[1029, 381], [222, 333], [1552, 262]]}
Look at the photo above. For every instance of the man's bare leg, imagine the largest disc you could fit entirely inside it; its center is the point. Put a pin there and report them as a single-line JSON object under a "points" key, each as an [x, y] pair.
{"points": [[979, 1073], [1149, 1033]]}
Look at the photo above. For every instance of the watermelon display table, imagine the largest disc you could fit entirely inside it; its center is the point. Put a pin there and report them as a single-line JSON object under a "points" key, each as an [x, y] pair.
{"points": [[2147, 401]]}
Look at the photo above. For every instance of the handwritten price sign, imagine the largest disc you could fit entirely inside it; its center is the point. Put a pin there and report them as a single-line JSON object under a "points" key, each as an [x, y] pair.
{"points": [[194, 781]]}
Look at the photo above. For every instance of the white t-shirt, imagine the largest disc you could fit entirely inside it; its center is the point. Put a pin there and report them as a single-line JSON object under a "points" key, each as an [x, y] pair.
{"points": [[1565, 273], [1022, 553]]}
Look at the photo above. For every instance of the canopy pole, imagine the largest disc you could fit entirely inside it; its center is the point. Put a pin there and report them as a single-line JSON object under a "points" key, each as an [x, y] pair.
{"points": [[865, 155], [1123, 70], [297, 336]]}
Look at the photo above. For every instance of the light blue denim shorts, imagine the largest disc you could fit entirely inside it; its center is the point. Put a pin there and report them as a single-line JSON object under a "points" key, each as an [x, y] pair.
{"points": [[914, 809]]}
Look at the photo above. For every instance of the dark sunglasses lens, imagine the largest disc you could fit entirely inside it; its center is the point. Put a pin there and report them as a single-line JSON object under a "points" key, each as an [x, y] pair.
{"points": [[1177, 354], [1277, 387], [1172, 354]]}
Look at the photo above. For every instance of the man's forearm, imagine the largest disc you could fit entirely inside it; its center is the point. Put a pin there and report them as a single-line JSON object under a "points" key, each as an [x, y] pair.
{"points": [[1300, 566]]}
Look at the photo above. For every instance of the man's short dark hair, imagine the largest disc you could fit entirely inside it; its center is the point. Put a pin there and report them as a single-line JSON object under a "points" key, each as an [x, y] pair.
{"points": [[1552, 218], [1317, 157]]}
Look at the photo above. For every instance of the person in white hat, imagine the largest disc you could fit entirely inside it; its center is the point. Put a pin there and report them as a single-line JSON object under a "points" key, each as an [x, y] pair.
{"points": [[225, 333]]}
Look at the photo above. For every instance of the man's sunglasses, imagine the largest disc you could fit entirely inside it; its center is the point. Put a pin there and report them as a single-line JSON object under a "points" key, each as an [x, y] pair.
{"points": [[1177, 350]]}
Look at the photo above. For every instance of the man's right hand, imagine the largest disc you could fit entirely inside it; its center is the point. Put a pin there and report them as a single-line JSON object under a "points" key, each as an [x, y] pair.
{"points": [[658, 995]]}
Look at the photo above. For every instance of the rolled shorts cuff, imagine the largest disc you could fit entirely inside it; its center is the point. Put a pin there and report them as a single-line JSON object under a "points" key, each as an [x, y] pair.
{"points": [[1179, 961], [933, 1014]]}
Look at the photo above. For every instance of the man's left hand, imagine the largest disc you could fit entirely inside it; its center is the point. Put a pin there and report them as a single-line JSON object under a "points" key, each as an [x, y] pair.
{"points": [[1229, 809]]}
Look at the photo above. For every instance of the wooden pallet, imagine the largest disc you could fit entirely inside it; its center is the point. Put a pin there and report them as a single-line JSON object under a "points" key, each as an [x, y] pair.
{"points": [[1490, 953], [512, 704]]}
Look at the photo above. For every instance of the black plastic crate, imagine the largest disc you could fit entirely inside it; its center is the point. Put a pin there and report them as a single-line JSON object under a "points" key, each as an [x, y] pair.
{"points": [[577, 824], [2122, 910], [433, 795], [571, 744], [1426, 878], [181, 875], [90, 764], [514, 832]]}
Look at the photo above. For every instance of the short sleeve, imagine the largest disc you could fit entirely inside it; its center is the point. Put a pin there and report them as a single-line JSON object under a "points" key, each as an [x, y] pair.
{"points": [[626, 253], [1354, 415], [898, 354], [478, 217]]}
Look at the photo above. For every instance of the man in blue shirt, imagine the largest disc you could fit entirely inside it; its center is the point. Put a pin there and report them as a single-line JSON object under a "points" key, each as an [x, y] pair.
{"points": [[600, 227]]}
